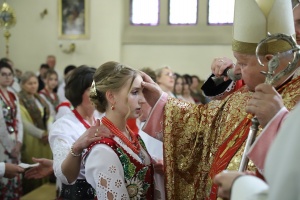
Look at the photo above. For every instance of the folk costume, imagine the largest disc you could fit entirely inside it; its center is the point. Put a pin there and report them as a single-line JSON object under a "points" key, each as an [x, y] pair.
{"points": [[35, 115], [201, 141], [11, 132], [155, 150], [62, 109], [52, 100], [124, 170], [64, 132]]}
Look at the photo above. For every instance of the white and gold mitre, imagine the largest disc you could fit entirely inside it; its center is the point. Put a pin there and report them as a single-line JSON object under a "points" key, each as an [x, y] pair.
{"points": [[253, 19]]}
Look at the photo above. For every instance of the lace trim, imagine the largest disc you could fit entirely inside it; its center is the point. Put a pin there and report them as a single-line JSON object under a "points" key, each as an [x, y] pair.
{"points": [[60, 151], [106, 185]]}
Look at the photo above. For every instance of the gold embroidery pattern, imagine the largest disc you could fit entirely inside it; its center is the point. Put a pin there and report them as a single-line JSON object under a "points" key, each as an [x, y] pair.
{"points": [[193, 133]]}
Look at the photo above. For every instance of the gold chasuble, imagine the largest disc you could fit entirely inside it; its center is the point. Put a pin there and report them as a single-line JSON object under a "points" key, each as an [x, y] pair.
{"points": [[202, 140]]}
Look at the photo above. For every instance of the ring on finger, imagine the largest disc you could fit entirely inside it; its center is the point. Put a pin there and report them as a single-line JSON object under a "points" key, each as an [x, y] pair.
{"points": [[96, 134], [97, 130]]}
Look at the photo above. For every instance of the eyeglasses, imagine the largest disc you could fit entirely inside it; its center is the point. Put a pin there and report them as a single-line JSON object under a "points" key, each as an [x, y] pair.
{"points": [[170, 74], [6, 74]]}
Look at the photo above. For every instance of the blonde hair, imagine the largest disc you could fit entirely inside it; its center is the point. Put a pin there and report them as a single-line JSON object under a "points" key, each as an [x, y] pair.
{"points": [[109, 76], [26, 76], [159, 71]]}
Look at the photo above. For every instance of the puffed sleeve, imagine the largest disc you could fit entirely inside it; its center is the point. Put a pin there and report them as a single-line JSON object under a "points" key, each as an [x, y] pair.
{"points": [[60, 140]]}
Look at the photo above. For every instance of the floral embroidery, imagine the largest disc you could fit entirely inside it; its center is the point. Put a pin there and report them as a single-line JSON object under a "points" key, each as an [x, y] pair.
{"points": [[129, 168], [124, 197], [135, 182], [134, 188], [112, 169], [118, 183]]}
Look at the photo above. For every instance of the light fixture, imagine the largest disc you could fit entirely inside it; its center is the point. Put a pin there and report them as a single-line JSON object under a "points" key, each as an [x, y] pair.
{"points": [[43, 13], [7, 20], [71, 48]]}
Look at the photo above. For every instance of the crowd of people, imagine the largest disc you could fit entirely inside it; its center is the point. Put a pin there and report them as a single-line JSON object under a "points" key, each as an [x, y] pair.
{"points": [[115, 132], [38, 109], [28, 109]]}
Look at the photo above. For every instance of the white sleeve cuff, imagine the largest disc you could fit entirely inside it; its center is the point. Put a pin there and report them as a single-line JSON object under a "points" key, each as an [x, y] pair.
{"points": [[2, 169], [248, 187]]}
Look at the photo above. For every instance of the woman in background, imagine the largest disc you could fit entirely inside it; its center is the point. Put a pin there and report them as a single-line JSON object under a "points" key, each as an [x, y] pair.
{"points": [[71, 134], [47, 93], [178, 87], [35, 115], [186, 93], [11, 136], [165, 78]]}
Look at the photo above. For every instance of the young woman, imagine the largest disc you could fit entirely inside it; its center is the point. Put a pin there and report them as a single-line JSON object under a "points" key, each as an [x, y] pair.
{"points": [[72, 133], [11, 134], [119, 168], [35, 117], [47, 93], [178, 87], [186, 93]]}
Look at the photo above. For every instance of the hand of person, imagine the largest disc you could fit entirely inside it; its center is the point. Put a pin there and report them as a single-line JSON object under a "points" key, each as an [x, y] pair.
{"points": [[151, 91], [12, 170], [44, 169], [44, 138], [265, 103], [224, 180], [219, 65], [158, 166], [16, 150], [93, 134]]}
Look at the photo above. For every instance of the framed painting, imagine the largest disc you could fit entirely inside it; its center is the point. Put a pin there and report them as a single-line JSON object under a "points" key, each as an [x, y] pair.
{"points": [[73, 19]]}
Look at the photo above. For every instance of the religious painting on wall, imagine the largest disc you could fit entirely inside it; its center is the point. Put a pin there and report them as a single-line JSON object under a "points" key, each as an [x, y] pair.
{"points": [[73, 20]]}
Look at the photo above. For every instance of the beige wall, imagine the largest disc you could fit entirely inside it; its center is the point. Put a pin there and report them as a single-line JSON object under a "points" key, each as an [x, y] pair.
{"points": [[33, 38], [192, 59]]}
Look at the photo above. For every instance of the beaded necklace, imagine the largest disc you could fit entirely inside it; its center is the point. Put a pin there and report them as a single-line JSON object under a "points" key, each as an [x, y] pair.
{"points": [[133, 145]]}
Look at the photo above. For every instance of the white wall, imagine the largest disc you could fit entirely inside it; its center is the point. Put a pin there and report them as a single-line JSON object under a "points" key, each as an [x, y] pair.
{"points": [[192, 59], [33, 38]]}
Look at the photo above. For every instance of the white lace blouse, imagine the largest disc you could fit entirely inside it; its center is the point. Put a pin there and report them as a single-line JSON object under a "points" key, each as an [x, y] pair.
{"points": [[63, 133], [105, 172]]}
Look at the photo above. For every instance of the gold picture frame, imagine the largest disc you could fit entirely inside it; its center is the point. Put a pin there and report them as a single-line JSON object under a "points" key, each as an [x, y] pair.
{"points": [[73, 19]]}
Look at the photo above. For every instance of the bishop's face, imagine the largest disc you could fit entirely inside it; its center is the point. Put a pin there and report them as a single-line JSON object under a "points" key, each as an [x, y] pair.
{"points": [[250, 69]]}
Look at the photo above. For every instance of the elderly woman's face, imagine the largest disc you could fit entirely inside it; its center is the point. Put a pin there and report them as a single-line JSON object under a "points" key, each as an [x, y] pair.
{"points": [[31, 85]]}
